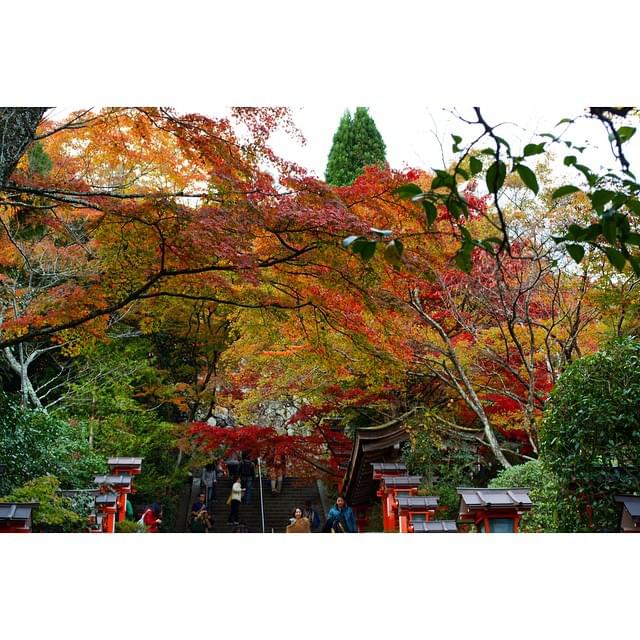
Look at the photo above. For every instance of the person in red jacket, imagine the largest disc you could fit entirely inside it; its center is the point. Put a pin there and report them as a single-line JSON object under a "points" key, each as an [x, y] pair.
{"points": [[152, 518]]}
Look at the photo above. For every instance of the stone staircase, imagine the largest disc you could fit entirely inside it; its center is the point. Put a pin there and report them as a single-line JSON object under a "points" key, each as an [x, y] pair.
{"points": [[277, 509]]}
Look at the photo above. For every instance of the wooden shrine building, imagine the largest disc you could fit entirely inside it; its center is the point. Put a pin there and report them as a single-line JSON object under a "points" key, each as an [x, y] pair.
{"points": [[494, 510], [412, 509], [371, 445]]}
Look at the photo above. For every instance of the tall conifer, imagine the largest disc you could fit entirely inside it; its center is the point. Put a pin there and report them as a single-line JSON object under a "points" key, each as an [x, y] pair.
{"points": [[356, 144]]}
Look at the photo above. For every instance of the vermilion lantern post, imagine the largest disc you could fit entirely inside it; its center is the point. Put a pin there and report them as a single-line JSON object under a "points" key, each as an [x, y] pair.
{"points": [[414, 509], [106, 503], [390, 488], [122, 485]]}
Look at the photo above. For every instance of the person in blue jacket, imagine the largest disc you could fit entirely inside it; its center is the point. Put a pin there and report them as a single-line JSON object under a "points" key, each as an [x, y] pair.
{"points": [[340, 518]]}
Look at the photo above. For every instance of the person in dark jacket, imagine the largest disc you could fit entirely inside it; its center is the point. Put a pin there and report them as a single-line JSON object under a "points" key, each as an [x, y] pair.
{"points": [[208, 479], [311, 514], [247, 474], [340, 518]]}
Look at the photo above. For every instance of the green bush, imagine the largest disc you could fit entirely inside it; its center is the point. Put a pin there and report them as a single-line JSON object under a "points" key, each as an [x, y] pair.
{"points": [[54, 513], [34, 444], [545, 516], [590, 436], [127, 526]]}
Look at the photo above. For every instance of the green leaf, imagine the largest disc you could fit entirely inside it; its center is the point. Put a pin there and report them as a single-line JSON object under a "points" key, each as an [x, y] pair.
{"points": [[533, 149], [430, 210], [591, 232], [393, 252], [461, 172], [625, 133], [570, 160], [633, 239], [600, 197], [407, 191], [475, 164], [496, 174], [616, 258], [463, 258], [365, 248], [591, 179], [528, 177], [633, 205], [564, 191], [457, 206], [442, 179], [576, 251], [574, 232], [350, 240], [609, 228]]}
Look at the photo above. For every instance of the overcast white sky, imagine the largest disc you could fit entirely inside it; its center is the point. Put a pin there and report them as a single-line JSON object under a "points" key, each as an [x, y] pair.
{"points": [[412, 133]]}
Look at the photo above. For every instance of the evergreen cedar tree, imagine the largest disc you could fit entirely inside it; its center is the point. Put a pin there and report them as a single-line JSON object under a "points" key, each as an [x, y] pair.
{"points": [[356, 144]]}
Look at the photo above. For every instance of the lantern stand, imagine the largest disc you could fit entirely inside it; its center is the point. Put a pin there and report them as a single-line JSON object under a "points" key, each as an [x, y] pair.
{"points": [[390, 488]]}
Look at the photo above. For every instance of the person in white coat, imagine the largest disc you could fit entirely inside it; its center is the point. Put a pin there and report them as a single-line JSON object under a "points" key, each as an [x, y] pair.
{"points": [[234, 498]]}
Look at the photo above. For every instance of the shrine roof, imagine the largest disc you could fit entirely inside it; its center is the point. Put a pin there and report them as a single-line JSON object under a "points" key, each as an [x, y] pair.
{"points": [[631, 504], [121, 480], [17, 510], [436, 526], [395, 482], [417, 502], [124, 462], [107, 498], [371, 444], [379, 467], [480, 498]]}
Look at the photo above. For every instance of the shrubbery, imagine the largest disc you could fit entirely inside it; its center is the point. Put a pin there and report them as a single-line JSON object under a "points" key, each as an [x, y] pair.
{"points": [[34, 443], [543, 491], [590, 437], [54, 513]]}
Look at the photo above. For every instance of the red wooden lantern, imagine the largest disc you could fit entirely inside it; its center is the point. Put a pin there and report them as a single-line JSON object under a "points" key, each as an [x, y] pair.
{"points": [[106, 504], [390, 488], [414, 509], [494, 510], [120, 483], [131, 466]]}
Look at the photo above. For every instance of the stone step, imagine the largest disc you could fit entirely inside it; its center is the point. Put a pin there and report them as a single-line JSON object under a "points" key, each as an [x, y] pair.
{"points": [[277, 509]]}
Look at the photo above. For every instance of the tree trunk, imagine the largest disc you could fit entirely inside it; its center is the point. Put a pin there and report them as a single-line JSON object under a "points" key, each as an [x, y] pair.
{"points": [[17, 130]]}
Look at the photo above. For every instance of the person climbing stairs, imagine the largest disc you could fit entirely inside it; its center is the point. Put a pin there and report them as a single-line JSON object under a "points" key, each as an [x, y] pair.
{"points": [[277, 509]]}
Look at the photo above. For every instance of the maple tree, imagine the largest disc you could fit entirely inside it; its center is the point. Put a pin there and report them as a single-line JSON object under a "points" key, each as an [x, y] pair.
{"points": [[147, 204]]}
